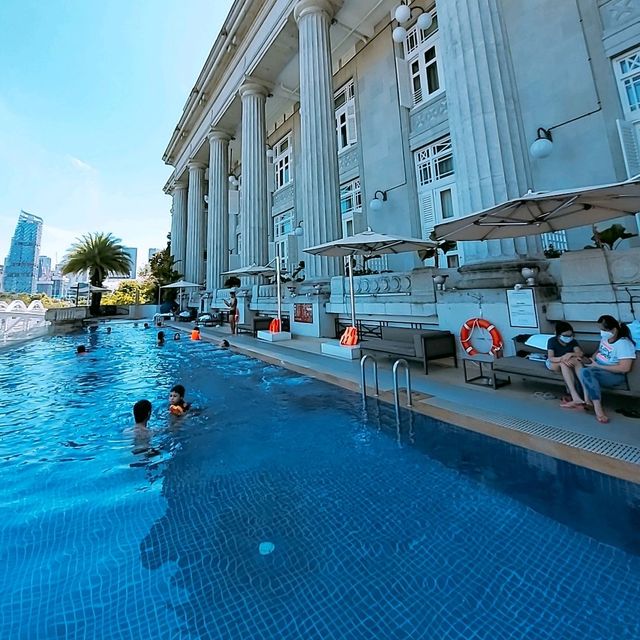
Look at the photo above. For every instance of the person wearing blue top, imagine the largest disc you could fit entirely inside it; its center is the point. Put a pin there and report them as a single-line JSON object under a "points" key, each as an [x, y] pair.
{"points": [[565, 355], [609, 364]]}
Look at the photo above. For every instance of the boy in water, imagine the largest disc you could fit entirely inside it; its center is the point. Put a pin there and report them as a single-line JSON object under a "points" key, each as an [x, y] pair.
{"points": [[141, 413], [177, 404], [141, 432], [160, 338]]}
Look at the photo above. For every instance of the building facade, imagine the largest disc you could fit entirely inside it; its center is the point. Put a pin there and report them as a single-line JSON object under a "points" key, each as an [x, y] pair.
{"points": [[315, 119], [21, 265]]}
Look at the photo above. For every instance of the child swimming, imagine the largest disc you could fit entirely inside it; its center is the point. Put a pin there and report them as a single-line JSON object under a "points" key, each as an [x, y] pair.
{"points": [[177, 404]]}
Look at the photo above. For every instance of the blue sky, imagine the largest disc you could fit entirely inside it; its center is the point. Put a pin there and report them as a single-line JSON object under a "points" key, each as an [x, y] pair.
{"points": [[90, 92]]}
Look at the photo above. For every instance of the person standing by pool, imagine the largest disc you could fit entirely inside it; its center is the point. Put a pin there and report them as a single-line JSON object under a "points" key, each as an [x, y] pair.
{"points": [[608, 366], [233, 311]]}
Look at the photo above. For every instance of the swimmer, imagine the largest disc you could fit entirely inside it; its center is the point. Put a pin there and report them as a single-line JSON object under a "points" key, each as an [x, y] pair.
{"points": [[224, 344], [176, 336], [160, 338], [108, 329], [142, 413], [141, 432], [177, 405], [195, 334], [146, 325], [80, 349]]}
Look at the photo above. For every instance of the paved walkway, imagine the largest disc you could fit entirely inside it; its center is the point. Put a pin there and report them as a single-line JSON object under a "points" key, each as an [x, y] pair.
{"points": [[530, 407]]}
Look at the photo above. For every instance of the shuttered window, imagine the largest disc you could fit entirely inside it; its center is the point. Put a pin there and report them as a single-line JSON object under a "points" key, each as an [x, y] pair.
{"points": [[345, 111]]}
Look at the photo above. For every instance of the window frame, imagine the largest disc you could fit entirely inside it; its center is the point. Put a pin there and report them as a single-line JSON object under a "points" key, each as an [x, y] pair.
{"points": [[345, 116], [283, 162]]}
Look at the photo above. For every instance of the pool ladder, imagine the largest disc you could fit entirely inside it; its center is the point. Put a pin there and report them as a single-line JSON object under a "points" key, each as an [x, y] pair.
{"points": [[396, 390]]}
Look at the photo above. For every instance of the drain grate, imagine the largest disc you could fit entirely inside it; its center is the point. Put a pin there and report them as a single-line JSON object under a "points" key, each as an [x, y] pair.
{"points": [[601, 446]]}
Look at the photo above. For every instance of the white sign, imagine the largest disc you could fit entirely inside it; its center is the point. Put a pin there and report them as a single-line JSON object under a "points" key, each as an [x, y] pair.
{"points": [[522, 308]]}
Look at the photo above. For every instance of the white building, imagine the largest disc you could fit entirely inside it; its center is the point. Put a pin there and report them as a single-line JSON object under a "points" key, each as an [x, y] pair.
{"points": [[307, 110]]}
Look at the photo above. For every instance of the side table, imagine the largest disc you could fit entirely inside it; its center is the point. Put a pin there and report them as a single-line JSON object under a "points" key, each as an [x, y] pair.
{"points": [[482, 366]]}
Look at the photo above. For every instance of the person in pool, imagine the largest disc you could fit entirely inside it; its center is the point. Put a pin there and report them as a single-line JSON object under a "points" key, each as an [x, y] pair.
{"points": [[160, 338], [176, 336], [224, 344], [177, 404], [141, 432], [80, 349], [565, 355]]}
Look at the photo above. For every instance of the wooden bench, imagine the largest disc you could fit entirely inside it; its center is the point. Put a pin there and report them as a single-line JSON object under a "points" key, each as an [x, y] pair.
{"points": [[522, 367]]}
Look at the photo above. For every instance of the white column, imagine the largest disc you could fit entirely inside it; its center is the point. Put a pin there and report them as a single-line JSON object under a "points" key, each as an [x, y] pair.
{"points": [[318, 179], [254, 212], [489, 145], [196, 232], [218, 221], [179, 225]]}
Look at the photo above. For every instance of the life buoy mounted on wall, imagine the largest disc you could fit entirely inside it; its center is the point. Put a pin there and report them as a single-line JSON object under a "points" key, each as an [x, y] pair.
{"points": [[480, 323]]}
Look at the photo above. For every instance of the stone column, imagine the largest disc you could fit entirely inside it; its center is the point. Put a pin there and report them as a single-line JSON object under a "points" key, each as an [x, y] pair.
{"points": [[218, 222], [196, 232], [179, 225], [490, 151], [319, 186], [254, 212]]}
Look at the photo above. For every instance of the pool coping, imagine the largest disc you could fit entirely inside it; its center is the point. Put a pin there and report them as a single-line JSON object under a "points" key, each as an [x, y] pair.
{"points": [[519, 433]]}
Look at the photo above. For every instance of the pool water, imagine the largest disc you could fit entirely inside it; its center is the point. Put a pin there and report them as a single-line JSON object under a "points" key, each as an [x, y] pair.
{"points": [[279, 508]]}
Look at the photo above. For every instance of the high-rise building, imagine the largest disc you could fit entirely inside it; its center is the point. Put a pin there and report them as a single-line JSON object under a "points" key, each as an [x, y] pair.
{"points": [[44, 268], [133, 256], [21, 265], [1, 274]]}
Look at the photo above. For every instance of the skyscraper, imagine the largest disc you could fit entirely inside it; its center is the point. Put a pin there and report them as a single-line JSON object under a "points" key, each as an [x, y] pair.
{"points": [[44, 268], [133, 256], [21, 265]]}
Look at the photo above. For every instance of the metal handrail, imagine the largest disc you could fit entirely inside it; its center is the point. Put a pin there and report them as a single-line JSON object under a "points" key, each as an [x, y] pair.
{"points": [[396, 390], [363, 362]]}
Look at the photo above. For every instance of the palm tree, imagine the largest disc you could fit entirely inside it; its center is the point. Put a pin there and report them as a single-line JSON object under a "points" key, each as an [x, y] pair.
{"points": [[99, 254]]}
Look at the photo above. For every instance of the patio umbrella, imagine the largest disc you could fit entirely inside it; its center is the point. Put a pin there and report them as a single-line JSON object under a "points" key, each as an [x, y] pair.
{"points": [[251, 270], [367, 243], [181, 284], [545, 212]]}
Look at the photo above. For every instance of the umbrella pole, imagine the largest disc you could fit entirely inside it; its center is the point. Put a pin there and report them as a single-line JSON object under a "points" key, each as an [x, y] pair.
{"points": [[352, 293], [278, 290]]}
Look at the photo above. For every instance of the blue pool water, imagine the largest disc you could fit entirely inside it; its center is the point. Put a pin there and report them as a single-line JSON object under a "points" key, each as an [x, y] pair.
{"points": [[279, 509]]}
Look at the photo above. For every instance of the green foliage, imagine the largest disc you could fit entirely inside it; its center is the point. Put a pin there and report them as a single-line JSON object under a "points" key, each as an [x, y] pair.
{"points": [[159, 272], [130, 292], [232, 281], [441, 245], [49, 303], [552, 252], [610, 236], [99, 254]]}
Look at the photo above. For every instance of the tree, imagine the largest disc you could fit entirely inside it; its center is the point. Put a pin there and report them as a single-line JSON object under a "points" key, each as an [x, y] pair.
{"points": [[99, 254], [159, 272], [129, 292]]}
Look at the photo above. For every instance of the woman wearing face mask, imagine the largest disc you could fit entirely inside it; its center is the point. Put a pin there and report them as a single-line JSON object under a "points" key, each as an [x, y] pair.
{"points": [[565, 355], [607, 368]]}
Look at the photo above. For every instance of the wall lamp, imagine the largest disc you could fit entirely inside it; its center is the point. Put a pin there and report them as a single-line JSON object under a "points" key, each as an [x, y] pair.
{"points": [[542, 146], [376, 202], [270, 153], [234, 180], [298, 231], [403, 13]]}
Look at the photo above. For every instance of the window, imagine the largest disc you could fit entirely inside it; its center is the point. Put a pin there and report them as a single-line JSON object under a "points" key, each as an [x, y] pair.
{"points": [[350, 198], [435, 173], [282, 228], [555, 240], [282, 162], [421, 53], [627, 70], [345, 110]]}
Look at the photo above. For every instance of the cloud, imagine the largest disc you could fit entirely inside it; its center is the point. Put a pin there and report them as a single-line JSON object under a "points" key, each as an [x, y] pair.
{"points": [[80, 165]]}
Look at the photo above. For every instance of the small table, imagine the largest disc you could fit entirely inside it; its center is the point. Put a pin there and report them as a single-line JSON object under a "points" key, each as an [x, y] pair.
{"points": [[485, 376], [436, 345]]}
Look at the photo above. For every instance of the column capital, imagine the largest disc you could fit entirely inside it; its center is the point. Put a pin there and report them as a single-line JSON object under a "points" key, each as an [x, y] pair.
{"points": [[252, 87], [305, 7], [177, 185], [219, 134], [195, 164]]}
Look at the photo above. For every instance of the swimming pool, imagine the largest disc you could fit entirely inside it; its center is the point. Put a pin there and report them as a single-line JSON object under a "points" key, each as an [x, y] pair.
{"points": [[432, 532]]}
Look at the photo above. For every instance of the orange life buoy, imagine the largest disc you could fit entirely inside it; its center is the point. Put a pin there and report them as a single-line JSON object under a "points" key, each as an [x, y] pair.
{"points": [[349, 337], [274, 326], [467, 329]]}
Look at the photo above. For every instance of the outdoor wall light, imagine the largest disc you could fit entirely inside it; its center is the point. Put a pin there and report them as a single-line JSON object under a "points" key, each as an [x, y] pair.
{"points": [[376, 203], [298, 231], [439, 280], [270, 153], [542, 146], [233, 180], [529, 274], [403, 14]]}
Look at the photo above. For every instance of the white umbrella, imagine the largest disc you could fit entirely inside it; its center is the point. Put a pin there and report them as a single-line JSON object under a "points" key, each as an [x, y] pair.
{"points": [[367, 243], [181, 284], [545, 212], [251, 270]]}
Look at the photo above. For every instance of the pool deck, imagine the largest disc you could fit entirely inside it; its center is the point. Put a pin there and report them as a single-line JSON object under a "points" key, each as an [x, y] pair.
{"points": [[517, 413]]}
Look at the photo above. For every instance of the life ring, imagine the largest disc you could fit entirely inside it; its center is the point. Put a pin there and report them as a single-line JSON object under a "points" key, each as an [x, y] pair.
{"points": [[467, 329], [349, 337]]}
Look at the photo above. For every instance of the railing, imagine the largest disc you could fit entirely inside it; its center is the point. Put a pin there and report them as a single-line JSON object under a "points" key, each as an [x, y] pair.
{"points": [[373, 328], [363, 377], [396, 390]]}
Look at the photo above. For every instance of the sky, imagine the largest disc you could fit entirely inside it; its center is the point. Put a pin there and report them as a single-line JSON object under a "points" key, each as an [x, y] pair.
{"points": [[90, 92]]}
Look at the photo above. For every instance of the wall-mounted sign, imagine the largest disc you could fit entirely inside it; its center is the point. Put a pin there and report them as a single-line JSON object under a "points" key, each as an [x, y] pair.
{"points": [[303, 313], [522, 308]]}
